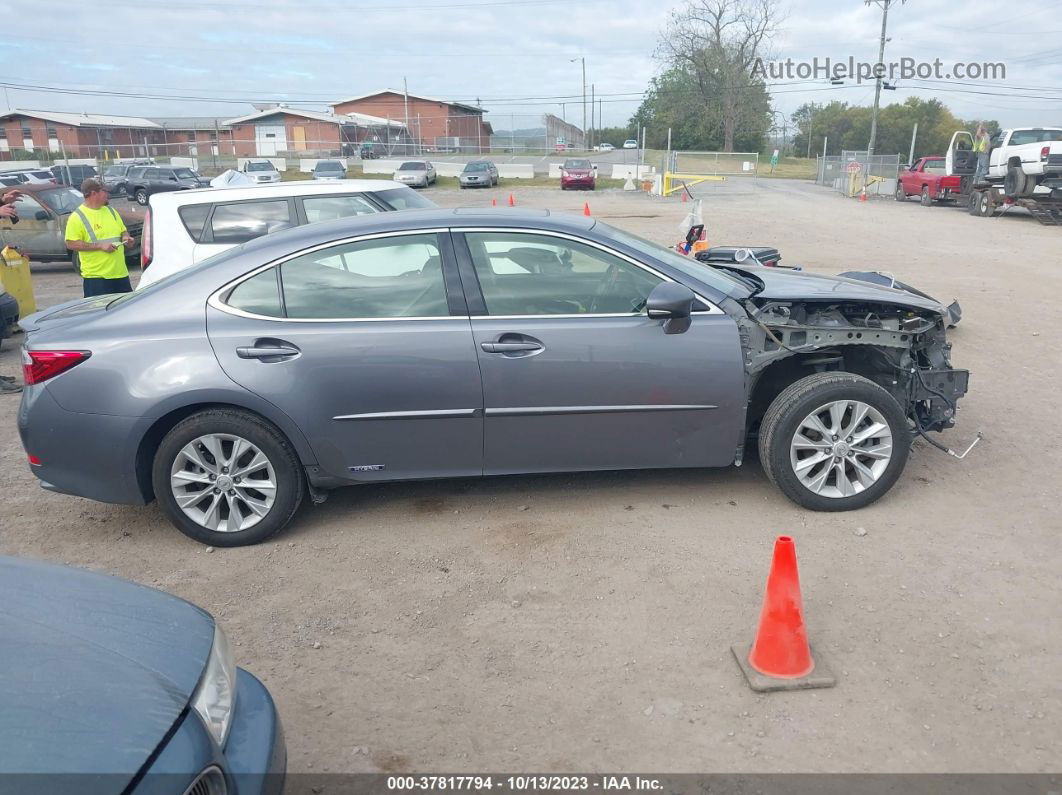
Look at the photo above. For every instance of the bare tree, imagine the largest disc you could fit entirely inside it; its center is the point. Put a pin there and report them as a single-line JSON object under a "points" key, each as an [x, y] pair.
{"points": [[718, 42]]}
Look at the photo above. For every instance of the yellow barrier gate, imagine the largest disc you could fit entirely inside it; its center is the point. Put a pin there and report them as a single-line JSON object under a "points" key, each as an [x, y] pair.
{"points": [[676, 182]]}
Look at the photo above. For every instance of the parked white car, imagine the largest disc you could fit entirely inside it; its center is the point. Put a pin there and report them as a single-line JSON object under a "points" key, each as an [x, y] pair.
{"points": [[630, 143], [183, 227], [262, 171], [1022, 159], [32, 176], [417, 173], [605, 148]]}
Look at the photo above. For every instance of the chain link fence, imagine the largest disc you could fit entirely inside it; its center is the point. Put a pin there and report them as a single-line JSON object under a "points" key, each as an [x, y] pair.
{"points": [[849, 171], [715, 163]]}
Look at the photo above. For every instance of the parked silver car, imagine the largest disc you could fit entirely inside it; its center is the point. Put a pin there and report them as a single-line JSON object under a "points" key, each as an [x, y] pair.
{"points": [[329, 169], [262, 171], [478, 174], [416, 173], [454, 343]]}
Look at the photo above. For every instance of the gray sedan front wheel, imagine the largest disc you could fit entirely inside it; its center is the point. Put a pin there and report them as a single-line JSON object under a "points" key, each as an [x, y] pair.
{"points": [[834, 441], [227, 478]]}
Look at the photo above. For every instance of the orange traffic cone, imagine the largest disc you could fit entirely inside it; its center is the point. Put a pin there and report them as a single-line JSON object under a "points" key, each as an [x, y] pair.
{"points": [[780, 657], [512, 202], [493, 202], [586, 208], [863, 194]]}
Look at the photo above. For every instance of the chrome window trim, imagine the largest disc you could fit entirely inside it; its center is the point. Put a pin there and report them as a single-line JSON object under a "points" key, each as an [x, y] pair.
{"points": [[215, 298], [711, 310]]}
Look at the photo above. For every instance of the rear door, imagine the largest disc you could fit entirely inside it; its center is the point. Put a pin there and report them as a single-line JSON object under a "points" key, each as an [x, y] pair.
{"points": [[576, 376], [366, 345], [329, 207]]}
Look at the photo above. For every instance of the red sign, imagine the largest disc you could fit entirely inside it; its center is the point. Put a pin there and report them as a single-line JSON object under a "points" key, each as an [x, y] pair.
{"points": [[854, 167]]}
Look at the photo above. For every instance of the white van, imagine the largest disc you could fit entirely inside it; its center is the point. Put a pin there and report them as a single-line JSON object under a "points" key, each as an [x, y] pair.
{"points": [[183, 227]]}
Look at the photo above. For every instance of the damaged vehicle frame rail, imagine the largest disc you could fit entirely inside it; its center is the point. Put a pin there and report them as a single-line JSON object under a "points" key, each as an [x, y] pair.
{"points": [[492, 343]]}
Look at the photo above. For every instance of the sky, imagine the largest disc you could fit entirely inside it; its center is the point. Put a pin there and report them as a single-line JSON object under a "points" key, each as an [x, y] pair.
{"points": [[517, 58]]}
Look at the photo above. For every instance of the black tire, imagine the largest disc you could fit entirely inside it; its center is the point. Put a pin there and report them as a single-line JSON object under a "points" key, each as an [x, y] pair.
{"points": [[925, 199], [986, 204], [973, 205], [799, 400], [141, 196], [901, 194], [286, 466], [1015, 182]]}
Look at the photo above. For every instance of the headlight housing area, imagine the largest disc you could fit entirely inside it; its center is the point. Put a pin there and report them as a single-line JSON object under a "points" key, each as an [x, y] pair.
{"points": [[215, 696]]}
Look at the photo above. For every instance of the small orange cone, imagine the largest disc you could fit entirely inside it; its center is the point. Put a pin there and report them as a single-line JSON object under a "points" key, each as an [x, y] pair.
{"points": [[780, 657], [512, 201], [863, 194], [586, 208], [493, 202]]}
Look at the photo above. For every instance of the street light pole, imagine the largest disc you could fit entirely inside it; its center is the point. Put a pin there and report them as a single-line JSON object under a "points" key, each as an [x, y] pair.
{"points": [[583, 61]]}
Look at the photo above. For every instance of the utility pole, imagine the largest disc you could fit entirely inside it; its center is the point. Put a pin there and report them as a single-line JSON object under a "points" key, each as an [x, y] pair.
{"points": [[811, 126], [914, 135], [583, 61], [405, 97], [592, 114], [877, 82]]}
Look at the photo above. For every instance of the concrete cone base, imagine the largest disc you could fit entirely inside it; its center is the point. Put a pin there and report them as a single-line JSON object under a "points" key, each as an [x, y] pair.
{"points": [[820, 676]]}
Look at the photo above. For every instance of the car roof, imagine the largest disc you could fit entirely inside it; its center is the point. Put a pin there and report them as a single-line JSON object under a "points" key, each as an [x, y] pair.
{"points": [[237, 193], [414, 220], [38, 187]]}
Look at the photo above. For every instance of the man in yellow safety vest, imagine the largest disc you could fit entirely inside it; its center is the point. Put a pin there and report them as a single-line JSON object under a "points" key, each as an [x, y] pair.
{"points": [[98, 235], [980, 148]]}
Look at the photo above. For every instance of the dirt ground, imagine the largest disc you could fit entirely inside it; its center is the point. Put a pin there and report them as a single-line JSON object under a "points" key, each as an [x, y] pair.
{"points": [[583, 622]]}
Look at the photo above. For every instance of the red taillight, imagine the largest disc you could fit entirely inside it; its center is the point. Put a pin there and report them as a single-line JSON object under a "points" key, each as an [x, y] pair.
{"points": [[145, 241], [39, 366], [1045, 152], [34, 461]]}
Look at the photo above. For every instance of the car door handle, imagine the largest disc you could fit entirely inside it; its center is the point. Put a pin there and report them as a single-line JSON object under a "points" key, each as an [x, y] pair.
{"points": [[510, 347], [275, 352]]}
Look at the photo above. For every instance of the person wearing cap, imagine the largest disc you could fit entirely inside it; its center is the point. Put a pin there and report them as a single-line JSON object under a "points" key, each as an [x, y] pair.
{"points": [[98, 235]]}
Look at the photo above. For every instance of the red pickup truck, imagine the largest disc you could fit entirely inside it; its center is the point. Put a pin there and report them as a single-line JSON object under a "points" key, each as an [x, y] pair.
{"points": [[929, 180]]}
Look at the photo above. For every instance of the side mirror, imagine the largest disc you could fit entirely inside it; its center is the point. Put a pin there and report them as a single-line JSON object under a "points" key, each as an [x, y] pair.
{"points": [[673, 303], [42, 215]]}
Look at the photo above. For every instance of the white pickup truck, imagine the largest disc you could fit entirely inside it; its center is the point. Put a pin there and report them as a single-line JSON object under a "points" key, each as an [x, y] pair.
{"points": [[1021, 159]]}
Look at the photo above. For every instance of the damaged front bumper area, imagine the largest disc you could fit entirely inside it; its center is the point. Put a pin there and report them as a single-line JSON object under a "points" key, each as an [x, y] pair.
{"points": [[903, 349]]}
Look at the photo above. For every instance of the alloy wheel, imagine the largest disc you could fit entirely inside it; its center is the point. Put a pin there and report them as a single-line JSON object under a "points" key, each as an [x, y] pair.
{"points": [[223, 482], [841, 448]]}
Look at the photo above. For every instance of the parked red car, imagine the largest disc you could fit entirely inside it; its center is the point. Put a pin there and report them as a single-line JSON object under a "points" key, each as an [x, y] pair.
{"points": [[578, 173], [929, 180]]}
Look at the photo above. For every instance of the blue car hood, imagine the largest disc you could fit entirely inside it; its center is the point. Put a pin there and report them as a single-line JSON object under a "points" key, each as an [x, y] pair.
{"points": [[96, 671]]}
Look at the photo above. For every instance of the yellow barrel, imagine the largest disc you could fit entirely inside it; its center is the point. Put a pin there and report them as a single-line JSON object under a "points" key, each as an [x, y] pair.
{"points": [[15, 276]]}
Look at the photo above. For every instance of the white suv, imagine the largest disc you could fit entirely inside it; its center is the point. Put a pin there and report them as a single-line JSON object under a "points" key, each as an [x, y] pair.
{"points": [[183, 227], [261, 171]]}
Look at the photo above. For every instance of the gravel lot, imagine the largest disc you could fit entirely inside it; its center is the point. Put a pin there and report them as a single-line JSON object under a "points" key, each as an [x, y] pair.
{"points": [[583, 623]]}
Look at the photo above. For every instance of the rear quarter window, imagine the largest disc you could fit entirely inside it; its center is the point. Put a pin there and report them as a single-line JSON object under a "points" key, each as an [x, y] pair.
{"points": [[194, 217]]}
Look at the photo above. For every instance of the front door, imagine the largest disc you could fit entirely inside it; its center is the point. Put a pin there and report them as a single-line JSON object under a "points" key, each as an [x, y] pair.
{"points": [[365, 348], [38, 233], [576, 376]]}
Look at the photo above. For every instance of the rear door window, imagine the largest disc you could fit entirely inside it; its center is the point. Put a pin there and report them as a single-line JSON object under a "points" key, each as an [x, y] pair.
{"points": [[329, 208], [238, 223]]}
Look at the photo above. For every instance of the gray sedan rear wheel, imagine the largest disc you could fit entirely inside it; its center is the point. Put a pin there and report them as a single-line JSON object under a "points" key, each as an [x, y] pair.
{"points": [[834, 441], [227, 478]]}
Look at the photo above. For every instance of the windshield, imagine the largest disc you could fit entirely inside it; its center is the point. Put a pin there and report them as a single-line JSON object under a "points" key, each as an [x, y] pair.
{"points": [[62, 200], [260, 167], [404, 199], [413, 167], [114, 171], [476, 167], [572, 163], [328, 165], [687, 265]]}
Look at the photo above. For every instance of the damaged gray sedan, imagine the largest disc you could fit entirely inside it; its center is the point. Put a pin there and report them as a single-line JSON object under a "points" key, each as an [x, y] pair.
{"points": [[462, 343]]}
